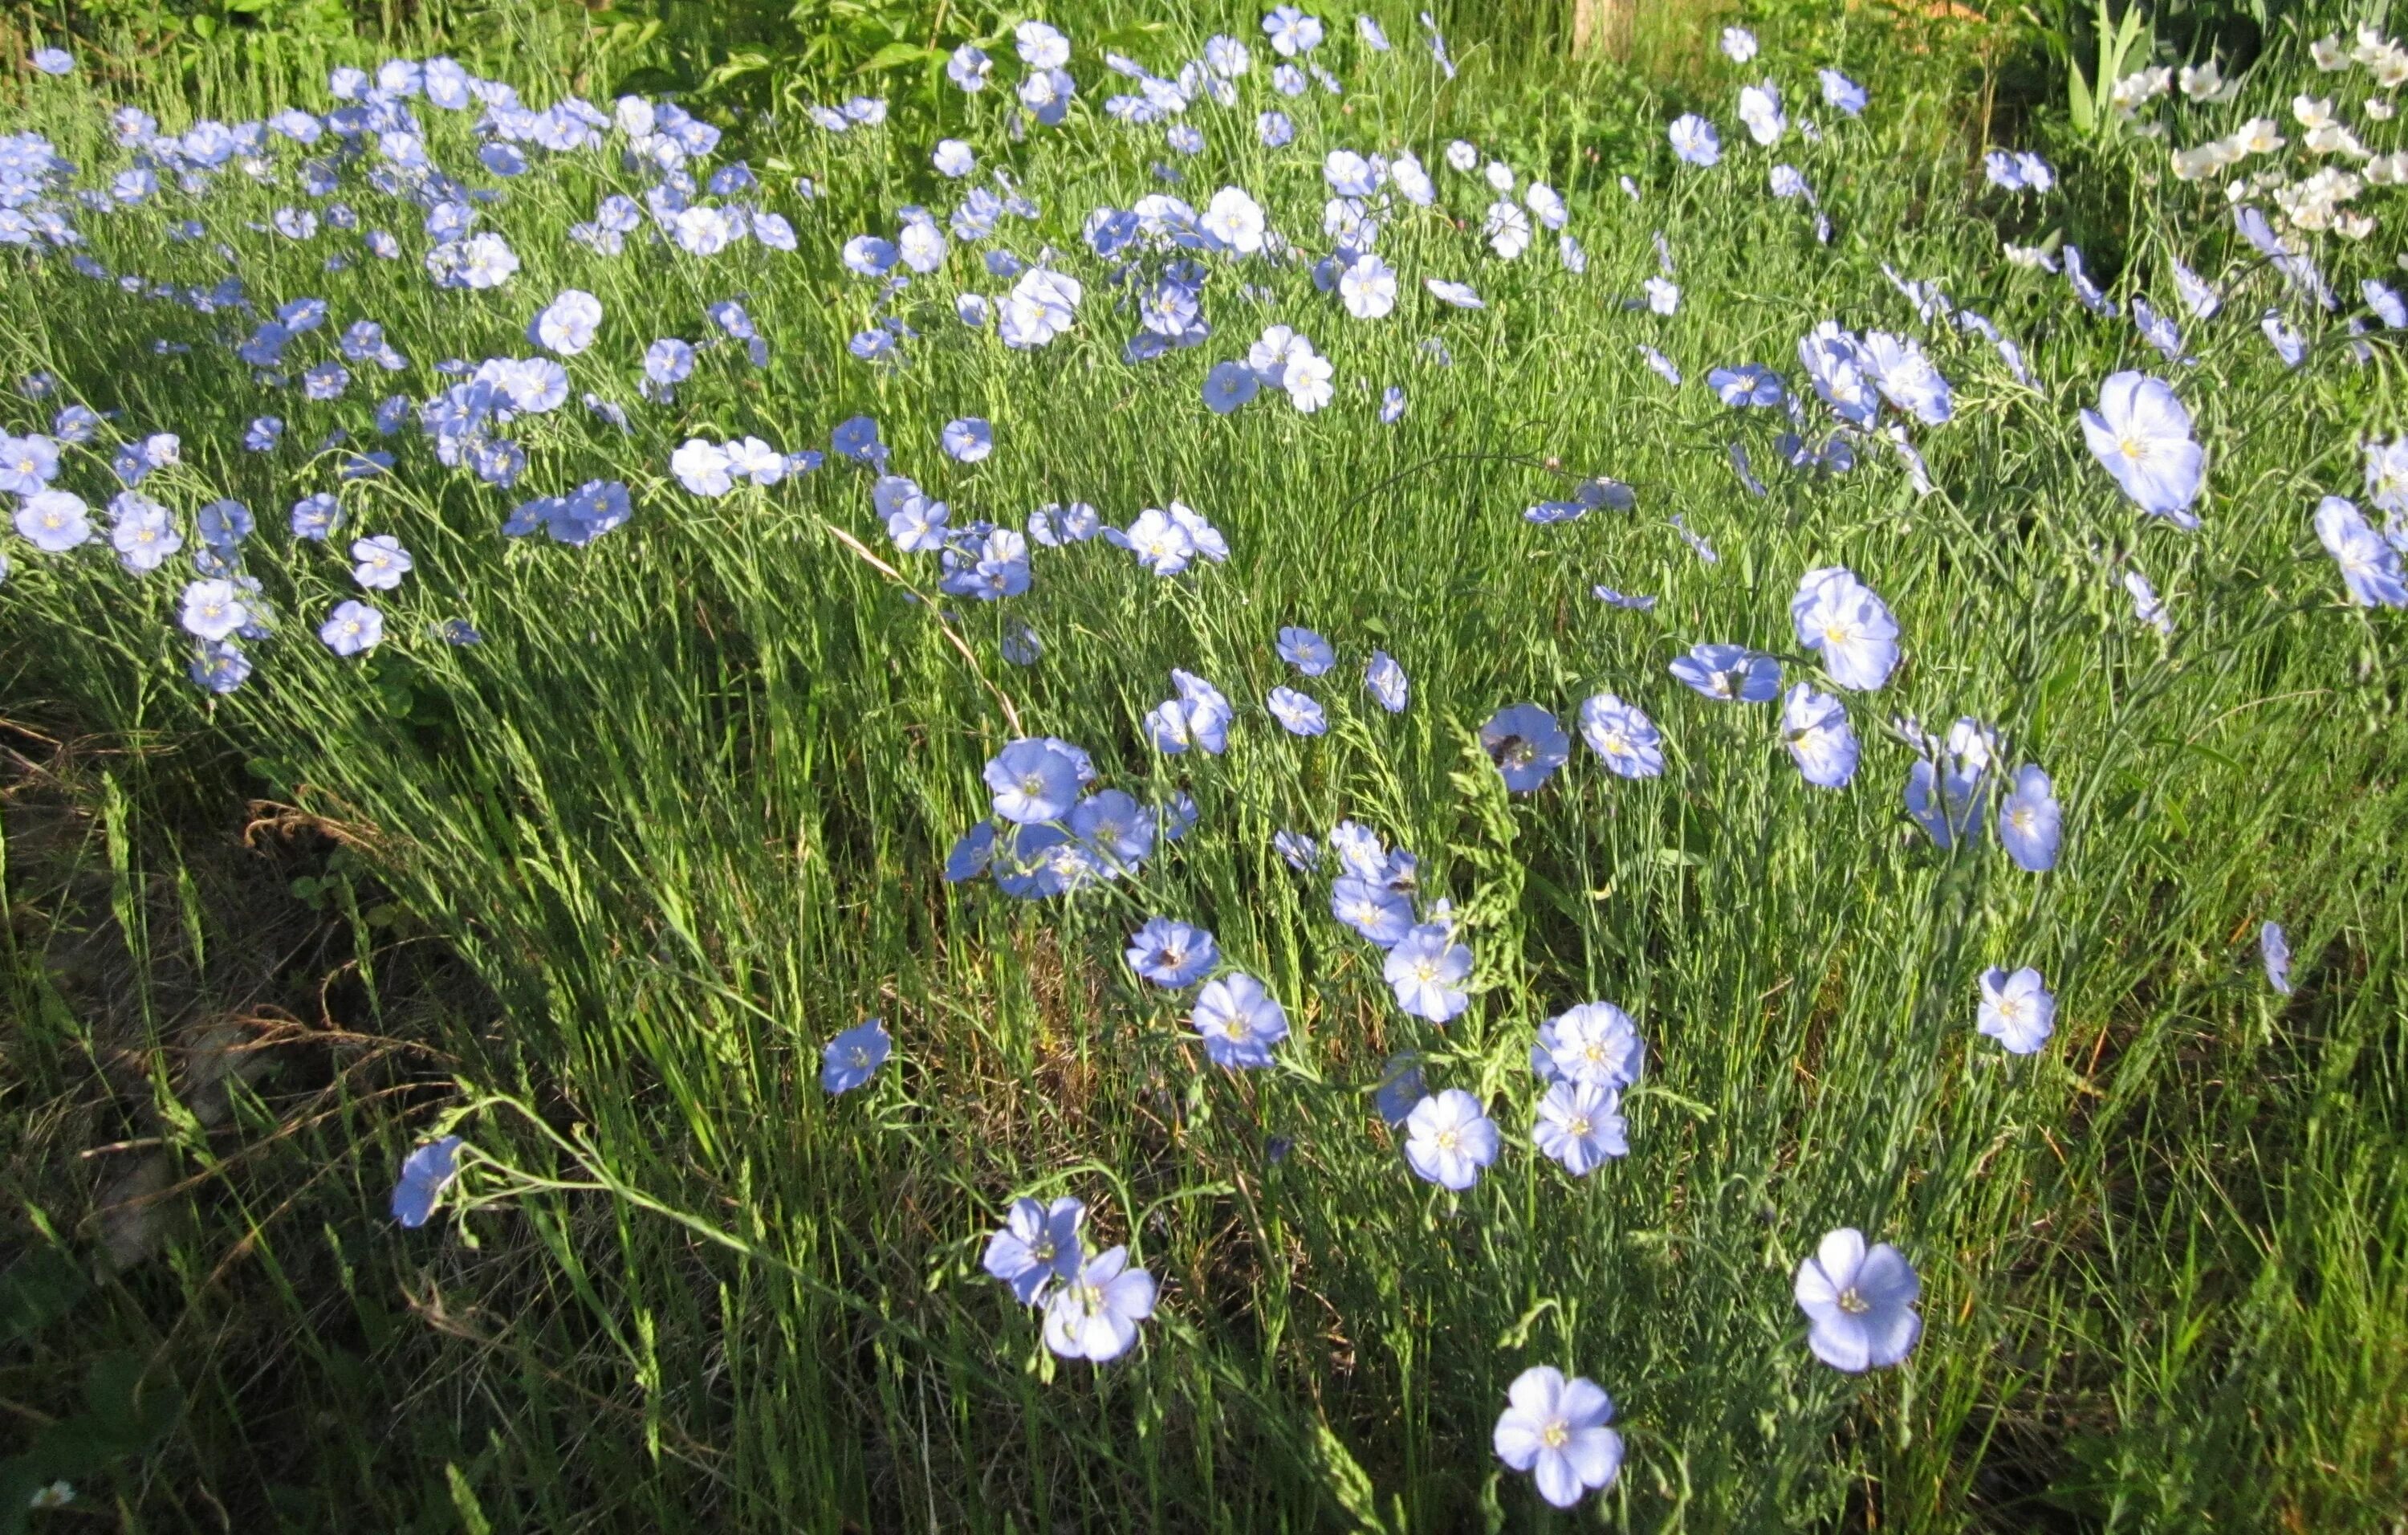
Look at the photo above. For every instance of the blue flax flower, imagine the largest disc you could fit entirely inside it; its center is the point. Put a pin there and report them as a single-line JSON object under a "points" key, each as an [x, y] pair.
{"points": [[1555, 1430], [1034, 779], [1449, 1140], [1239, 1021], [2029, 820], [1729, 673], [1172, 954], [1426, 969], [2276, 951], [2016, 1010], [1386, 681], [1526, 744], [1093, 1314], [2140, 433], [1815, 726], [1037, 1246], [1580, 1124], [1376, 912], [853, 1056], [1860, 1303], [1623, 736], [425, 1174]]}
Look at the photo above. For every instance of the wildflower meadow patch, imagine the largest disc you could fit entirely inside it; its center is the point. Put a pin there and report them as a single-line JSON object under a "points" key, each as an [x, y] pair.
{"points": [[1173, 798]]}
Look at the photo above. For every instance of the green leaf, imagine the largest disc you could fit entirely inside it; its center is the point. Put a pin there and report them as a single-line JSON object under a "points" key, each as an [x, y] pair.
{"points": [[36, 1290], [895, 56], [464, 1502]]}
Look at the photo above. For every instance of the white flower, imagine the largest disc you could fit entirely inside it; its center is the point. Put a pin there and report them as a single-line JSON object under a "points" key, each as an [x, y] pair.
{"points": [[1759, 107], [2016, 1010], [1368, 287], [702, 468], [1235, 220], [568, 324], [1307, 381], [1506, 228]]}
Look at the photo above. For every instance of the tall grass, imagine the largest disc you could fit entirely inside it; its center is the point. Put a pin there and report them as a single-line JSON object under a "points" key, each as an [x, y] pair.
{"points": [[679, 816]]}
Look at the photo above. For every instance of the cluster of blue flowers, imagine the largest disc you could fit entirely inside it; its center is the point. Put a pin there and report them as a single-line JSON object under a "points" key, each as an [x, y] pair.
{"points": [[432, 148]]}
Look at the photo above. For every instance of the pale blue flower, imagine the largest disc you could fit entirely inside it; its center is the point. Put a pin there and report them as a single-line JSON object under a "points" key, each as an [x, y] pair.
{"points": [[1449, 1140], [1597, 1043], [968, 439], [568, 323], [2016, 1010], [1526, 744], [355, 627], [1306, 650], [1092, 1315], [1426, 968], [214, 610], [1239, 1021], [219, 665], [141, 532], [1748, 385], [2029, 820], [1298, 712], [381, 562], [2141, 434], [1860, 1303], [1399, 1088], [969, 67], [1037, 1246], [1622, 735], [855, 1056], [1944, 791], [27, 464], [1378, 913], [2288, 343], [425, 1174], [1580, 1124], [2370, 566], [1034, 779], [1229, 386], [1388, 682], [1116, 828], [1842, 619], [1172, 954], [1555, 1430], [1695, 141], [1815, 726], [970, 853], [2275, 952], [1729, 673], [54, 521], [1841, 93]]}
